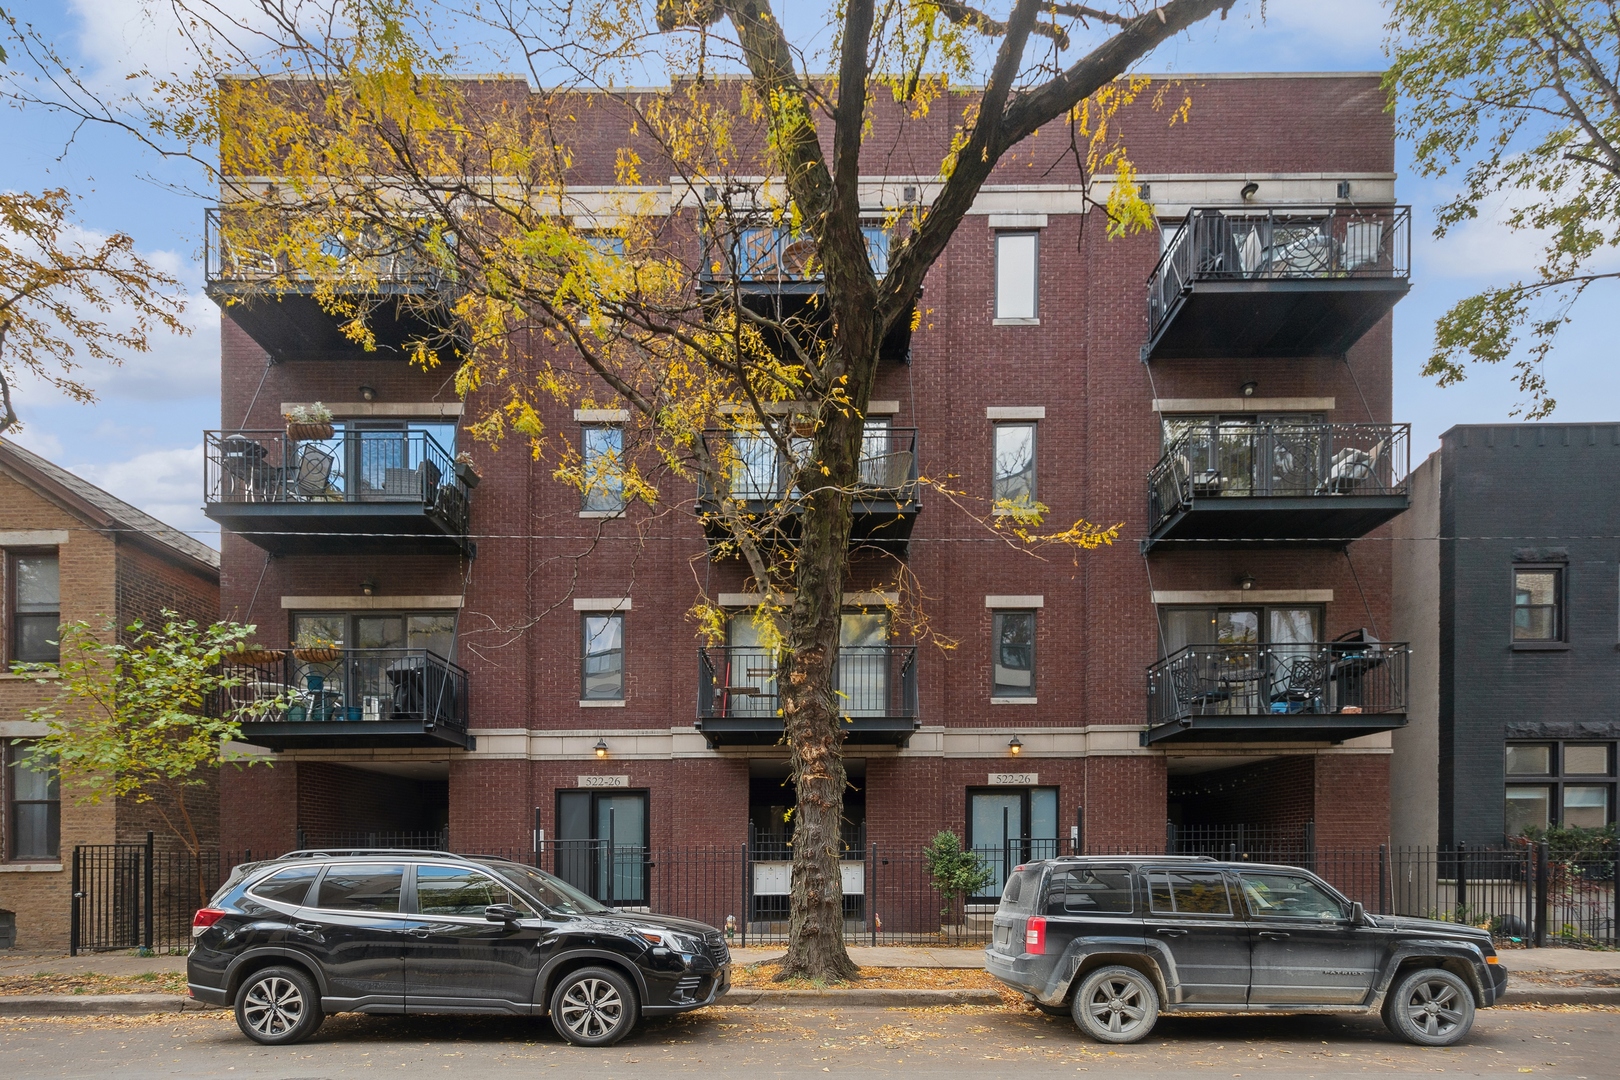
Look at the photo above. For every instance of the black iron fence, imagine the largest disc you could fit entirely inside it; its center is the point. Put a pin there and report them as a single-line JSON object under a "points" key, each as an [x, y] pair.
{"points": [[132, 895], [1258, 242], [330, 684], [1345, 677]]}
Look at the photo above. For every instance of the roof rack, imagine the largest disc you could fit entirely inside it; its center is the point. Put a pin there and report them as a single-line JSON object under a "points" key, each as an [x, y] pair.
{"points": [[1141, 858], [415, 853]]}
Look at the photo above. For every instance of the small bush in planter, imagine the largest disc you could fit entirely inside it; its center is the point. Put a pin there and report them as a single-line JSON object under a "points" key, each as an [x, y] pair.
{"points": [[309, 422], [957, 872]]}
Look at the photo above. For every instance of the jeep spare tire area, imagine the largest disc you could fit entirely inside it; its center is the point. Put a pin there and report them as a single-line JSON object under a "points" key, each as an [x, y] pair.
{"points": [[1431, 1007]]}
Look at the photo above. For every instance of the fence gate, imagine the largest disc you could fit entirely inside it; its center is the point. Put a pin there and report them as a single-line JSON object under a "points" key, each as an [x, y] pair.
{"points": [[139, 896]]}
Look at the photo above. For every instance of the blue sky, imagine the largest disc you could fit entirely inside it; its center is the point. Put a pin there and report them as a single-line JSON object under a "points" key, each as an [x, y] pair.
{"points": [[142, 440]]}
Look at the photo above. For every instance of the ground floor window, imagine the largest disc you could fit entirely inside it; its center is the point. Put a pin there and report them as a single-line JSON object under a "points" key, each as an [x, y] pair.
{"points": [[1558, 783], [1008, 826], [601, 844], [33, 808]]}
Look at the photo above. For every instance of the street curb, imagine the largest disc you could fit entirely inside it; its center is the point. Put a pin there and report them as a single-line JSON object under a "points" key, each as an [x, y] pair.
{"points": [[94, 1004], [1560, 995], [870, 998]]}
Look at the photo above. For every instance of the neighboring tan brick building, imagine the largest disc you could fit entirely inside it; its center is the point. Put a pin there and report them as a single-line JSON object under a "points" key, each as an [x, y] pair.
{"points": [[1233, 412], [73, 552]]}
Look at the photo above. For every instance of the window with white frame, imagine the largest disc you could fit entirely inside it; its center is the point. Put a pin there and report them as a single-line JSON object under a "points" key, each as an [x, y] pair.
{"points": [[1017, 275], [602, 447]]}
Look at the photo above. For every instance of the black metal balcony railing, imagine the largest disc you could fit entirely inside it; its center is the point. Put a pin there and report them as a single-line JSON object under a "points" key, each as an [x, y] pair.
{"points": [[354, 466], [343, 693], [876, 686], [1340, 686], [760, 472], [770, 254], [1277, 281], [1278, 461], [251, 248]]}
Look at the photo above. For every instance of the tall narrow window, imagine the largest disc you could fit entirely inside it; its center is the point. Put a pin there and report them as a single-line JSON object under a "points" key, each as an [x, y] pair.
{"points": [[34, 809], [603, 450], [1013, 670], [1014, 466], [1017, 275], [1537, 596], [36, 609], [602, 669]]}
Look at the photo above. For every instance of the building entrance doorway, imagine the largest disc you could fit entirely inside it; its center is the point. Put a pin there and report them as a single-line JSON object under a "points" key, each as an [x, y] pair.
{"points": [[771, 814]]}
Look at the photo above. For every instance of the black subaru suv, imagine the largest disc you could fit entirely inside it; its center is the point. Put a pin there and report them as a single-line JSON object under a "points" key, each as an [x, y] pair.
{"points": [[1116, 941], [386, 931]]}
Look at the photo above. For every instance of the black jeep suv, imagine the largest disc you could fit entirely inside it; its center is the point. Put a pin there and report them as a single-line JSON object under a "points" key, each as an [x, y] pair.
{"points": [[1115, 941], [287, 941]]}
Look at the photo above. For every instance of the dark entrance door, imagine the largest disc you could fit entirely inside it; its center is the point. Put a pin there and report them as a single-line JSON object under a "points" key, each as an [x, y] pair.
{"points": [[1011, 825], [1305, 951], [455, 958], [1191, 914], [601, 846]]}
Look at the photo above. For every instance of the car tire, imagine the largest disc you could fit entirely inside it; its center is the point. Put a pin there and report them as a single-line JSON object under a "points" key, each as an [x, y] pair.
{"points": [[1116, 1005], [594, 1006], [1430, 1007], [278, 1006]]}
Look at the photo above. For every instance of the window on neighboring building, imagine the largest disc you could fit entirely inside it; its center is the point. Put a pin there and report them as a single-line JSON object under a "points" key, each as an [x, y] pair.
{"points": [[602, 653], [1013, 667], [1538, 604], [602, 446], [1013, 476], [1559, 783], [36, 607], [33, 808], [1017, 275]]}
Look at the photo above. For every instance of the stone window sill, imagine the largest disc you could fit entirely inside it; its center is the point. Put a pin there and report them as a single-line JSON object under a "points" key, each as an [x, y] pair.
{"points": [[1015, 322], [584, 704], [601, 513], [1540, 646], [31, 868], [1013, 700]]}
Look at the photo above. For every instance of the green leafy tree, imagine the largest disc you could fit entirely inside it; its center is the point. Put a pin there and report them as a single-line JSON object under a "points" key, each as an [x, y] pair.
{"points": [[1521, 98], [132, 716], [956, 872]]}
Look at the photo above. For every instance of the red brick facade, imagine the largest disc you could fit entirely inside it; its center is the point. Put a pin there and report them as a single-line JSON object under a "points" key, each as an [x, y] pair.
{"points": [[1097, 628]]}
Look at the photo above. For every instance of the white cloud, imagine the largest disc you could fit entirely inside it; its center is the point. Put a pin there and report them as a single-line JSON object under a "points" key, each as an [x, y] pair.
{"points": [[42, 442], [165, 483]]}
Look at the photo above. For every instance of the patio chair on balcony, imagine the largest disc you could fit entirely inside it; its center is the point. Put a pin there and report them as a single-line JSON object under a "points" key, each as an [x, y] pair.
{"points": [[1363, 245], [1299, 689], [1194, 696], [313, 478], [1351, 468]]}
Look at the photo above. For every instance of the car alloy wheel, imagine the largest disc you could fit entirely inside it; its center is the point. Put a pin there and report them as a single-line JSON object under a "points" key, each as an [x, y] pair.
{"points": [[1432, 1008], [1117, 1005], [594, 1007], [278, 1006]]}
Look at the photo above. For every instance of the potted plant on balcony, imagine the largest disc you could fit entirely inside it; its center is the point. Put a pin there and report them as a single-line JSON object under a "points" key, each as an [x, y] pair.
{"points": [[317, 651], [309, 422], [256, 655], [466, 471]]}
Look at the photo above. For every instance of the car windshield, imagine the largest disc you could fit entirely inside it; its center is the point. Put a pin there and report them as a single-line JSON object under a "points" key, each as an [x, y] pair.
{"points": [[553, 893]]}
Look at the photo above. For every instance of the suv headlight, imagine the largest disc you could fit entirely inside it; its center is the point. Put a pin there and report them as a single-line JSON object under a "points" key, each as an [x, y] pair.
{"points": [[673, 941]]}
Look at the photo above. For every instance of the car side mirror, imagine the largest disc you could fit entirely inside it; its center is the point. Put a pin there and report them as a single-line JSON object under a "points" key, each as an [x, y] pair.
{"points": [[502, 913], [1358, 914]]}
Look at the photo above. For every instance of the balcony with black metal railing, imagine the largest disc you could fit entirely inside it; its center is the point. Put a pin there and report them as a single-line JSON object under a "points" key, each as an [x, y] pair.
{"points": [[357, 489], [346, 698], [1298, 692], [1253, 281], [1225, 484], [250, 273], [886, 498], [738, 702]]}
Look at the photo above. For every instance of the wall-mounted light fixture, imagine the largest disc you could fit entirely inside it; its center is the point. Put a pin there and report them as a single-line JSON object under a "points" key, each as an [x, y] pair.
{"points": [[1145, 192], [909, 193], [1344, 189], [1250, 388], [710, 194], [368, 587], [1246, 582], [1248, 190], [368, 393], [601, 748], [1015, 746]]}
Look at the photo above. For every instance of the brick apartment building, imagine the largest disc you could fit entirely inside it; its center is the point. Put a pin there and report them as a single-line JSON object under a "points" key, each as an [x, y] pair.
{"points": [[69, 552], [1216, 674]]}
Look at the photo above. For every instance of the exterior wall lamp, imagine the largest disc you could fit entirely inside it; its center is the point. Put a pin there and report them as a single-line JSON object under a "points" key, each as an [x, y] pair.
{"points": [[368, 587], [368, 393], [1015, 746], [1248, 190], [601, 748], [1249, 389], [1246, 582]]}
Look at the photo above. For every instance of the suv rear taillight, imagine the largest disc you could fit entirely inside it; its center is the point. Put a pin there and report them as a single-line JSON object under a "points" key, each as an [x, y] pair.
{"points": [[205, 918], [1035, 935]]}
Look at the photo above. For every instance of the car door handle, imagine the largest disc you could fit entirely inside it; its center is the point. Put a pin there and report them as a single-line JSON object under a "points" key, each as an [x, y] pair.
{"points": [[308, 927], [1275, 935], [420, 933], [1167, 932]]}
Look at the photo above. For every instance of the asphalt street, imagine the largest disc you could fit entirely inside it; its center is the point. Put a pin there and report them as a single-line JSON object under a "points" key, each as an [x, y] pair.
{"points": [[977, 1042]]}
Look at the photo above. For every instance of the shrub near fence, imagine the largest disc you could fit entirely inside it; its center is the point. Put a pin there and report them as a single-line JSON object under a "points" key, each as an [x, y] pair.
{"points": [[133, 895]]}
